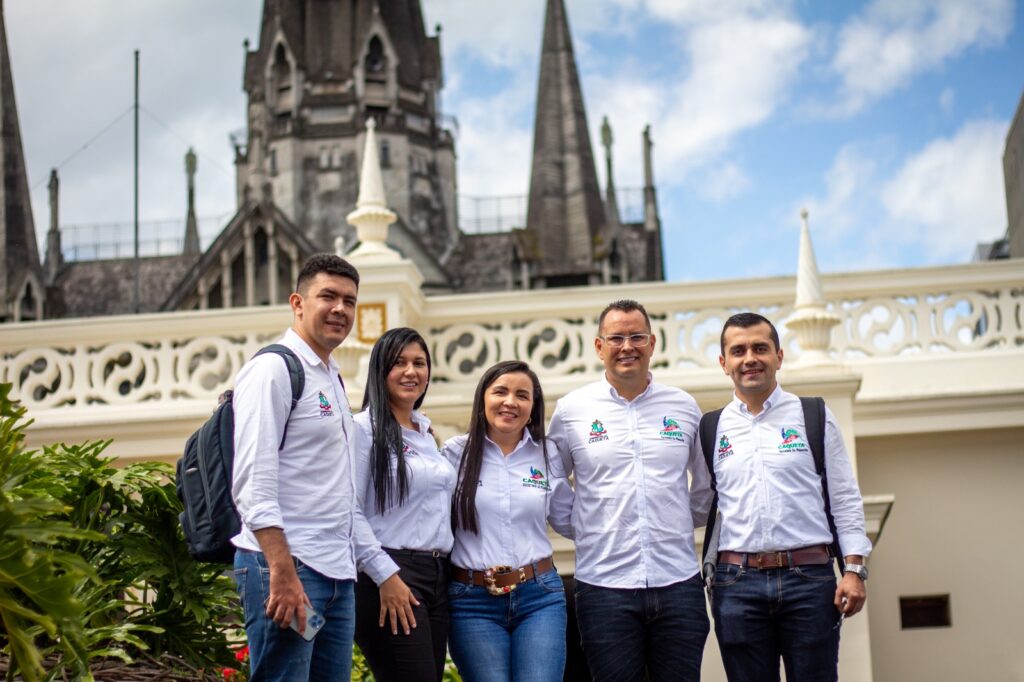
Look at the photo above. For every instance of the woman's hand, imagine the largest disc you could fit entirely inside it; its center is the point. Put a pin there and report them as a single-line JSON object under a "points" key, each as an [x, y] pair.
{"points": [[397, 600]]}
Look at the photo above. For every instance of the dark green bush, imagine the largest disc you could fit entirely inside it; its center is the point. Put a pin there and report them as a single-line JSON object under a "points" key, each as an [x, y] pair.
{"points": [[93, 564]]}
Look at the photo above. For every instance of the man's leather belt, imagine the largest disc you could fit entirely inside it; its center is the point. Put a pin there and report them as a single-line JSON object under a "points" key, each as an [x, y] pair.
{"points": [[502, 577], [805, 556]]}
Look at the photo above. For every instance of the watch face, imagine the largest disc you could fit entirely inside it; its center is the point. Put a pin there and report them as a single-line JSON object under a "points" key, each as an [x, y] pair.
{"points": [[860, 571]]}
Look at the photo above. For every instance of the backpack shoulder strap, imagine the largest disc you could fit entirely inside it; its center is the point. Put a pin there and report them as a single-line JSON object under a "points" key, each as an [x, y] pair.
{"points": [[814, 424], [708, 430], [295, 372], [296, 375]]}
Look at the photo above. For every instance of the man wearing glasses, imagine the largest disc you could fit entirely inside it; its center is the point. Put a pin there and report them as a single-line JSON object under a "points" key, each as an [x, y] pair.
{"points": [[629, 443]]}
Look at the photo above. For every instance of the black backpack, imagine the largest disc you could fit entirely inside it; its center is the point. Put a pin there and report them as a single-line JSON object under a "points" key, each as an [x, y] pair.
{"points": [[210, 519], [814, 423]]}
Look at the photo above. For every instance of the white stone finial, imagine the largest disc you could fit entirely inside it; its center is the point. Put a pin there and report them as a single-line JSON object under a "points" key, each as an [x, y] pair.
{"points": [[372, 216], [808, 284], [811, 321]]}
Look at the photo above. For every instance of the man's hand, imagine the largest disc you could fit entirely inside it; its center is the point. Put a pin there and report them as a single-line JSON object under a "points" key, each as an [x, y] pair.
{"points": [[287, 598], [851, 594], [397, 601]]}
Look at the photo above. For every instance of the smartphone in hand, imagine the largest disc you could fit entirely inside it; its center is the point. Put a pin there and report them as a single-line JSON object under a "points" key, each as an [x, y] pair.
{"points": [[314, 621]]}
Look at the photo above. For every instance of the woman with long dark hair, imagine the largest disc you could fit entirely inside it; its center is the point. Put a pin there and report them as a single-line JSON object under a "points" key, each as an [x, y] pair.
{"points": [[506, 599], [404, 486]]}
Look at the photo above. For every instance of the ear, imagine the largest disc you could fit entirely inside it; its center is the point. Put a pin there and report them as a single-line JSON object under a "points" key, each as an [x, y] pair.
{"points": [[780, 357], [721, 362], [295, 301], [597, 345]]}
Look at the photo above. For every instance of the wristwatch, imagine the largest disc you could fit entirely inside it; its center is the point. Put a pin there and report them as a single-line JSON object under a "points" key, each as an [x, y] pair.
{"points": [[860, 570]]}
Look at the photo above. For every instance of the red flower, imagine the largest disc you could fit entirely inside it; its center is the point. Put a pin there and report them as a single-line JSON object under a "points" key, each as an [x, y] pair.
{"points": [[242, 655], [228, 673]]}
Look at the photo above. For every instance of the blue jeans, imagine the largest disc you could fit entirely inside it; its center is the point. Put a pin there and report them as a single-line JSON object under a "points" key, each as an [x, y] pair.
{"points": [[660, 629], [515, 637], [761, 615], [277, 653]]}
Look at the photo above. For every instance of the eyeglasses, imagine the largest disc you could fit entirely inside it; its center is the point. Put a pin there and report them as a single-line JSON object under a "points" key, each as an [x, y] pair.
{"points": [[635, 340]]}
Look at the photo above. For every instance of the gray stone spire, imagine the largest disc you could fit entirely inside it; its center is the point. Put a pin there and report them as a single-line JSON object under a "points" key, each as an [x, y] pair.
{"points": [[611, 204], [191, 247], [652, 221], [21, 293], [54, 257], [565, 213]]}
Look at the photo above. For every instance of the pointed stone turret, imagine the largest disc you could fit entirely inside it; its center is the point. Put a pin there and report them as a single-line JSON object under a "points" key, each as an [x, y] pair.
{"points": [[611, 204], [652, 221], [565, 212], [811, 320], [372, 215], [21, 293], [54, 257], [191, 246]]}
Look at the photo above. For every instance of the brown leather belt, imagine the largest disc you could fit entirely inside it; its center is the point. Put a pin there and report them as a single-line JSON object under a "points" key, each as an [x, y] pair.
{"points": [[816, 555], [504, 579]]}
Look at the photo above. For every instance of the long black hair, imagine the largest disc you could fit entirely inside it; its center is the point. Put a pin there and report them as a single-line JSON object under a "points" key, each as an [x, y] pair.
{"points": [[387, 432], [464, 502]]}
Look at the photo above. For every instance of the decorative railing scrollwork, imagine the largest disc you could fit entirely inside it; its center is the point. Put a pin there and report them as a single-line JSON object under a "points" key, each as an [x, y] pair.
{"points": [[78, 363]]}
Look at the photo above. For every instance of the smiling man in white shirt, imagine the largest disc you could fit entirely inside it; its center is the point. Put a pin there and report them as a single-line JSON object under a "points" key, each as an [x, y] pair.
{"points": [[629, 443], [775, 593], [294, 488]]}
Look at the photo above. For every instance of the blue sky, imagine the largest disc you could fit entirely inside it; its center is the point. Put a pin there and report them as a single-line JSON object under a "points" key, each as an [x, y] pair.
{"points": [[885, 119]]}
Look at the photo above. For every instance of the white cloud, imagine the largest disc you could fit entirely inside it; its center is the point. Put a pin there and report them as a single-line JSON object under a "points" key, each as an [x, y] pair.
{"points": [[949, 196], [847, 181], [946, 99], [722, 182], [891, 42], [742, 69]]}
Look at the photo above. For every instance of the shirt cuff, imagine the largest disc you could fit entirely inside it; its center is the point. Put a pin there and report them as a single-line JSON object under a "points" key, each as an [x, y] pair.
{"points": [[380, 568], [855, 544], [263, 515]]}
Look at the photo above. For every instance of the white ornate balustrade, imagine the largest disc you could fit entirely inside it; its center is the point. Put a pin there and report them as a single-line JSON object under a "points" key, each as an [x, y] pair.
{"points": [[172, 357]]}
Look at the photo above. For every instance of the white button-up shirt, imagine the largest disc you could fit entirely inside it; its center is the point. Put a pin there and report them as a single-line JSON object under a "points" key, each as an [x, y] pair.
{"points": [[517, 493], [769, 493], [308, 489], [423, 521], [635, 511]]}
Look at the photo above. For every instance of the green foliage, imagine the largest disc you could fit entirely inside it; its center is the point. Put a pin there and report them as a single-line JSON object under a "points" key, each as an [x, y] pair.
{"points": [[38, 580], [116, 564]]}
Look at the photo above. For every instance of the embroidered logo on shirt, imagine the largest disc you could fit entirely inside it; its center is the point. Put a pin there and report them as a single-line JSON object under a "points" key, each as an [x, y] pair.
{"points": [[325, 406], [597, 432], [670, 429], [724, 447], [405, 448], [792, 440], [536, 480]]}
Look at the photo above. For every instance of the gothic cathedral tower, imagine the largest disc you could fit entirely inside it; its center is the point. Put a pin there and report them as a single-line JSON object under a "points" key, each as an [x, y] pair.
{"points": [[321, 69]]}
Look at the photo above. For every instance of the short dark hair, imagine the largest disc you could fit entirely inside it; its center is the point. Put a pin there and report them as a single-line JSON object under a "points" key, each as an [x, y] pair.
{"points": [[327, 263], [624, 305], [747, 320]]}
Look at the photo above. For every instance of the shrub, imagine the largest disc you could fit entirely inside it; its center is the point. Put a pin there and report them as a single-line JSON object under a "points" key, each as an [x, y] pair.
{"points": [[93, 564]]}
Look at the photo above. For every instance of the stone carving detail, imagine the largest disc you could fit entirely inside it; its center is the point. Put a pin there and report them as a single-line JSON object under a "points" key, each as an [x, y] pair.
{"points": [[122, 372]]}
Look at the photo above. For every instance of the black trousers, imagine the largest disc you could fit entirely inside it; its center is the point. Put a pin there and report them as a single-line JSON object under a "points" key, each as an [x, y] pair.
{"points": [[420, 655]]}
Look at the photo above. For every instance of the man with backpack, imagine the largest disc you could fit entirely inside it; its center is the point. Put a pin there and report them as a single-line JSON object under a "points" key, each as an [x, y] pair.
{"points": [[294, 488], [782, 509]]}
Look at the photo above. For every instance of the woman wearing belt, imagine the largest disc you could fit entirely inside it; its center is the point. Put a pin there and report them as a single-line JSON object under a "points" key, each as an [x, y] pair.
{"points": [[506, 600], [404, 486]]}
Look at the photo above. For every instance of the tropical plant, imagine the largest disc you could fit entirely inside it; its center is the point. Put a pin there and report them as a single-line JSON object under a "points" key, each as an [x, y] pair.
{"points": [[39, 582], [134, 587]]}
